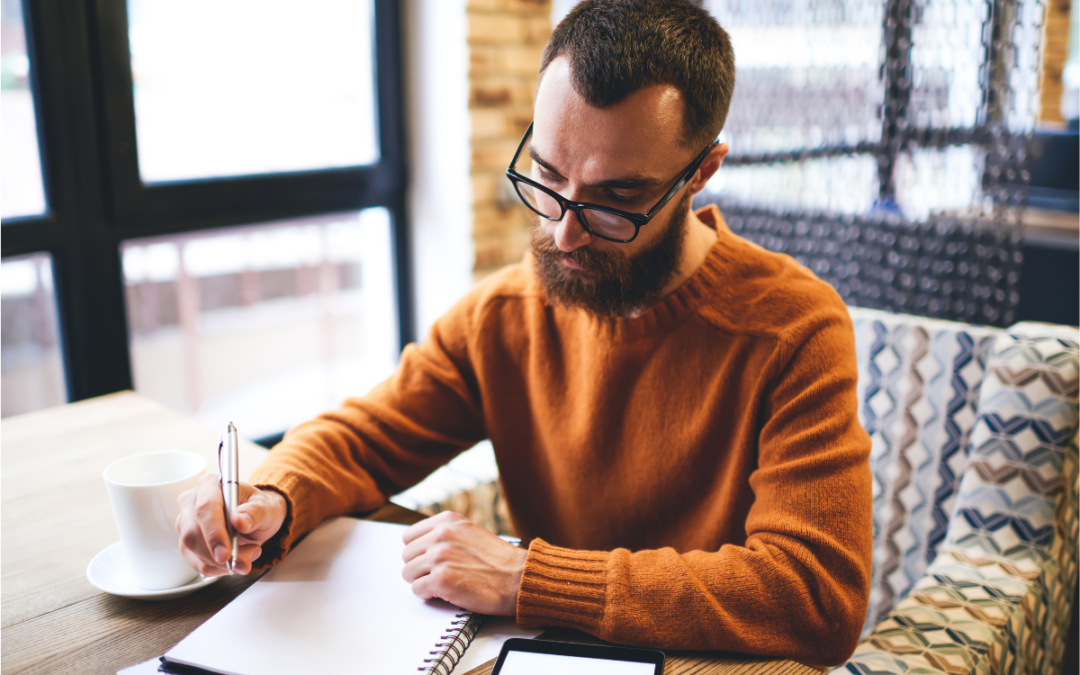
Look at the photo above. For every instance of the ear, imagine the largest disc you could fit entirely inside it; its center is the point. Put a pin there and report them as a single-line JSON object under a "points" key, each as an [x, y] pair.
{"points": [[708, 168]]}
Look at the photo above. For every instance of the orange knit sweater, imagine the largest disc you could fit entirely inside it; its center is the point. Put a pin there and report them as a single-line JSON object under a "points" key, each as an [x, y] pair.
{"points": [[692, 478]]}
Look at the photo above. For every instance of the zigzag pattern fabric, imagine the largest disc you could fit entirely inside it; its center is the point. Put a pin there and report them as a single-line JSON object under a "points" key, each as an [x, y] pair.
{"points": [[997, 596], [919, 382]]}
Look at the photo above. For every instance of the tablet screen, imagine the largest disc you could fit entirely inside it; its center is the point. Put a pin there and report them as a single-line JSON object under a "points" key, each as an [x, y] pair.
{"points": [[531, 663]]}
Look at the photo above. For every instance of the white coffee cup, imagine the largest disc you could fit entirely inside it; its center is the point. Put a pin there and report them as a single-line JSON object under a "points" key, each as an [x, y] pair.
{"points": [[143, 490]]}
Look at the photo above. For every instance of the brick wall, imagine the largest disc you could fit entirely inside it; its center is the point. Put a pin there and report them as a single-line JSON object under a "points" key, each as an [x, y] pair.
{"points": [[505, 41], [1055, 51]]}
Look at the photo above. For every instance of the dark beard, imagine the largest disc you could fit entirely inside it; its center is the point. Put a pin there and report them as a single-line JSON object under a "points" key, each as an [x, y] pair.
{"points": [[611, 285]]}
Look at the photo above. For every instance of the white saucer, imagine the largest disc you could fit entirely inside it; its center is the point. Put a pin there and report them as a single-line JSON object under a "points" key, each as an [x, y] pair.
{"points": [[108, 572]]}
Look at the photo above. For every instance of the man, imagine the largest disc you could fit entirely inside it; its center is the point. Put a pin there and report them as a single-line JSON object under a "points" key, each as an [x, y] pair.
{"points": [[673, 409]]}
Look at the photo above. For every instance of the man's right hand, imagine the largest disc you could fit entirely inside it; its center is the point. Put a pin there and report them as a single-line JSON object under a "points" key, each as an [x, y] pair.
{"points": [[204, 540]]}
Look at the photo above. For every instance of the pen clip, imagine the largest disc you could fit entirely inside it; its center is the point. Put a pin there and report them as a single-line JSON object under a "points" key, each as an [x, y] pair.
{"points": [[221, 472]]}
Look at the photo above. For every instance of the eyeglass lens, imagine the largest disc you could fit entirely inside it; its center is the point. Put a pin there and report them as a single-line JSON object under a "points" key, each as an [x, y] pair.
{"points": [[600, 222]]}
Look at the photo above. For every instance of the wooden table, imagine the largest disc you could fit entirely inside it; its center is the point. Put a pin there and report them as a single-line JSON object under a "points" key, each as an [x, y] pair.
{"points": [[56, 517]]}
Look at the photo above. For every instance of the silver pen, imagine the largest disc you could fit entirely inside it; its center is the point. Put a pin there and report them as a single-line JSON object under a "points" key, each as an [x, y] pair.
{"points": [[230, 487]]}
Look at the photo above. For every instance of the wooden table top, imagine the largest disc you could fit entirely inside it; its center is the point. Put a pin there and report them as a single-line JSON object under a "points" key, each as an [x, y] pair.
{"points": [[55, 517]]}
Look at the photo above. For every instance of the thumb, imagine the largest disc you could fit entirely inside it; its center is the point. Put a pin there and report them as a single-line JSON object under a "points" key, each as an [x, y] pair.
{"points": [[249, 517]]}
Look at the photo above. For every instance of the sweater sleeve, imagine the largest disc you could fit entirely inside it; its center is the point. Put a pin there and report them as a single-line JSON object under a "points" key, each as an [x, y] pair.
{"points": [[799, 585], [354, 458]]}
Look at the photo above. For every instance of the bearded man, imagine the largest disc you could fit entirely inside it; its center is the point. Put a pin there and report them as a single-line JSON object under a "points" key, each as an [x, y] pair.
{"points": [[672, 408]]}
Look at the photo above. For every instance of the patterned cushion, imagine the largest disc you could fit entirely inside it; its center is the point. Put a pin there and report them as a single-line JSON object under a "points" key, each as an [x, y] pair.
{"points": [[998, 594], [919, 382]]}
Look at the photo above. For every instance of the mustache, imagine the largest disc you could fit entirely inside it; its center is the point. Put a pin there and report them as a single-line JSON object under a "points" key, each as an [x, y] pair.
{"points": [[604, 265]]}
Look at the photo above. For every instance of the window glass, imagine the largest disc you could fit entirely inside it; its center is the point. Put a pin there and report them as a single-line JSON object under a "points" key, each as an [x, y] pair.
{"points": [[266, 325], [22, 192], [32, 368], [808, 74], [845, 184], [235, 87], [932, 181]]}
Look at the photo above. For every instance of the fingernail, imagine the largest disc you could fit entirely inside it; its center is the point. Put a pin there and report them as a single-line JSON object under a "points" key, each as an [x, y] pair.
{"points": [[246, 522], [221, 554]]}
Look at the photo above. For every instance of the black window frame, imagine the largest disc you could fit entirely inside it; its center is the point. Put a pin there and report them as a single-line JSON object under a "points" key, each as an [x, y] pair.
{"points": [[81, 79]]}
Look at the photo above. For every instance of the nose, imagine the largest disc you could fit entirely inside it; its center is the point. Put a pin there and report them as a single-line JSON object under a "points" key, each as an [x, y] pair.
{"points": [[569, 233]]}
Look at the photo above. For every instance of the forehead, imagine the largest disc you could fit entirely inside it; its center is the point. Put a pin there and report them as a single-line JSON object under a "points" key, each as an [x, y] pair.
{"points": [[639, 134]]}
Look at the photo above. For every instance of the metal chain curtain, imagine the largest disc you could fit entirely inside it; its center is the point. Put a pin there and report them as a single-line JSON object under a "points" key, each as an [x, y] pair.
{"points": [[884, 145]]}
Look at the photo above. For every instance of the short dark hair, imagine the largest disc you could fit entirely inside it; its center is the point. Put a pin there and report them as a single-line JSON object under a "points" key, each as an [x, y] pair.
{"points": [[617, 47]]}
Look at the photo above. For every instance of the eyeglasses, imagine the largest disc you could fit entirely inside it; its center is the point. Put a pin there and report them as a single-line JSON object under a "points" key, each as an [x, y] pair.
{"points": [[600, 221]]}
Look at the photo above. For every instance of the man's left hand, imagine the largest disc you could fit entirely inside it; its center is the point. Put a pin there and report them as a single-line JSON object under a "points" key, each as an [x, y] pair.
{"points": [[449, 557]]}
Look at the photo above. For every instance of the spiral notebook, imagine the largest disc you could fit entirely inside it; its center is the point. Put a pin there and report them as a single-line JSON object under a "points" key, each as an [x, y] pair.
{"points": [[336, 604]]}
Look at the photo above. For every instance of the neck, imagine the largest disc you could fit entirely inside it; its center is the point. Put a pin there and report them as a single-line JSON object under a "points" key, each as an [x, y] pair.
{"points": [[700, 238]]}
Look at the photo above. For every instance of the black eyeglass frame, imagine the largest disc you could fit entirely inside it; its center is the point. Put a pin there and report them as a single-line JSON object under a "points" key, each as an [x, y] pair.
{"points": [[638, 219]]}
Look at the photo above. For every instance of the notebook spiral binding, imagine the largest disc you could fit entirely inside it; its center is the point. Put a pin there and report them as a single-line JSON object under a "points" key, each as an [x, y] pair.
{"points": [[458, 636]]}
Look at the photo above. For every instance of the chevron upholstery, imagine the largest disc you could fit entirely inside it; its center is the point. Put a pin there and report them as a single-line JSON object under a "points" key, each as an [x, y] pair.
{"points": [[974, 463]]}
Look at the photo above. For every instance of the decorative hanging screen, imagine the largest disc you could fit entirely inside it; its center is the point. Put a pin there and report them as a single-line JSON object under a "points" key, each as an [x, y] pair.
{"points": [[884, 145]]}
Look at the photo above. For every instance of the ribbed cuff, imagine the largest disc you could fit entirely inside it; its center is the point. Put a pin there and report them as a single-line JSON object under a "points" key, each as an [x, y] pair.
{"points": [[563, 587]]}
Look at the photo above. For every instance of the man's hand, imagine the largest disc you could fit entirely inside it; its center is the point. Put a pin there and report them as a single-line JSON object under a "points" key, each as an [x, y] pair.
{"points": [[449, 557], [204, 540]]}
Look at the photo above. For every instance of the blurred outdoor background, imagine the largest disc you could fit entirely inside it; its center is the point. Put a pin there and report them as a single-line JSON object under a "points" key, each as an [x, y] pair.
{"points": [[244, 208]]}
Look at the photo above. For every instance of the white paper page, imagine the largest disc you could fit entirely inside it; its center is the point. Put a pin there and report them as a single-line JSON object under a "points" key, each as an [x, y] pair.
{"points": [[336, 604], [489, 641]]}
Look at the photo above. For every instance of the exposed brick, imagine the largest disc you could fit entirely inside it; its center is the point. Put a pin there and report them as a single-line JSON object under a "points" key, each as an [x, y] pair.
{"points": [[538, 29], [502, 250], [529, 6], [528, 89], [488, 122], [492, 220], [517, 121], [483, 61], [492, 155], [485, 187], [499, 91], [506, 39], [490, 252], [497, 29], [521, 60]]}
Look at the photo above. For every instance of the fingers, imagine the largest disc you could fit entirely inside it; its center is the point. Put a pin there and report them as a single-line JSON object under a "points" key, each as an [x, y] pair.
{"points": [[210, 517], [418, 530], [449, 557], [417, 547], [192, 541], [245, 558], [261, 514], [431, 586], [249, 518], [204, 538], [422, 561]]}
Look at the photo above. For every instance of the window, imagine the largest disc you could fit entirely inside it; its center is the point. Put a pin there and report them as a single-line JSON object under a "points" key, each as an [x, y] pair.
{"points": [[219, 175], [23, 192], [251, 87], [265, 325], [32, 371]]}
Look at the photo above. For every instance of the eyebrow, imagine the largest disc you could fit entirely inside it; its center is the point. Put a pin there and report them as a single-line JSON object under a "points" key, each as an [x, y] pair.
{"points": [[631, 182]]}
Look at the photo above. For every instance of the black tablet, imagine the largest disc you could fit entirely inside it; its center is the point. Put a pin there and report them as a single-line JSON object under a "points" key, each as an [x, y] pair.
{"points": [[542, 657]]}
